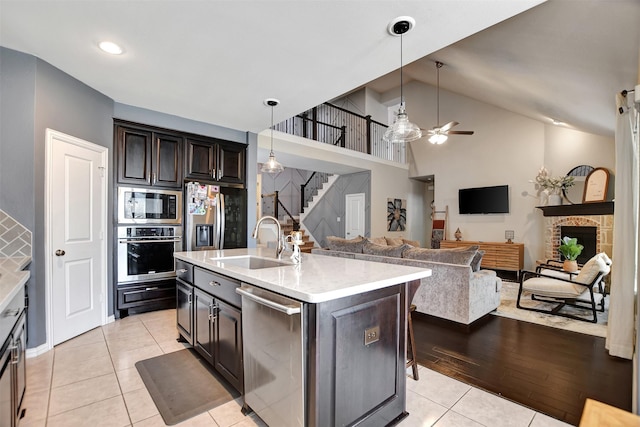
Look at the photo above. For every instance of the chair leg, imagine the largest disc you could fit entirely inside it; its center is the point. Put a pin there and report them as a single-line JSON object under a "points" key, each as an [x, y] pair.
{"points": [[411, 345]]}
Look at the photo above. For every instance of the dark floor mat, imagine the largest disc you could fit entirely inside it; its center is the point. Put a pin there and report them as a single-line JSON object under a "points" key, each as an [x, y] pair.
{"points": [[183, 385]]}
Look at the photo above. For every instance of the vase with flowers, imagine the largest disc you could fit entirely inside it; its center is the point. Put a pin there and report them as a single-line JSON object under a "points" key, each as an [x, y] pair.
{"points": [[552, 186]]}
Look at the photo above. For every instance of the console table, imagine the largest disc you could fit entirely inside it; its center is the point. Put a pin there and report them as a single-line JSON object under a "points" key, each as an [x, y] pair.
{"points": [[497, 255]]}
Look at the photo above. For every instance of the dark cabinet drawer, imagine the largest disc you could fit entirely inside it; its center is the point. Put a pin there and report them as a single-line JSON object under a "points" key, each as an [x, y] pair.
{"points": [[184, 271], [146, 294], [217, 285], [10, 315]]}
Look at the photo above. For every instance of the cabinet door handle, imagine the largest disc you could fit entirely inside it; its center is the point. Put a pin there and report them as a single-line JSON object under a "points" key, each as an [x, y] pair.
{"points": [[182, 270], [189, 300], [151, 289], [154, 178], [214, 283]]}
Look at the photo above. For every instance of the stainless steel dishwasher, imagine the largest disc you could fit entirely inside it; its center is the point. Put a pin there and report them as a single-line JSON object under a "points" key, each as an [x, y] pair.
{"points": [[272, 327]]}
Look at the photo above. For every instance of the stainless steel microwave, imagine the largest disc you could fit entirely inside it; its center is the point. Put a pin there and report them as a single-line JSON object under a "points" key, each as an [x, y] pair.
{"points": [[149, 206]]}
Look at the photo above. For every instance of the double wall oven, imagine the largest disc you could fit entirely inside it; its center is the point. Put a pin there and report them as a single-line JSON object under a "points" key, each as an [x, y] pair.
{"points": [[149, 231]]}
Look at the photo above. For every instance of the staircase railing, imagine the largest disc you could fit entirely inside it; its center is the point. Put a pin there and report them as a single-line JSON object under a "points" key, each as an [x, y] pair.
{"points": [[277, 202], [334, 125], [310, 188]]}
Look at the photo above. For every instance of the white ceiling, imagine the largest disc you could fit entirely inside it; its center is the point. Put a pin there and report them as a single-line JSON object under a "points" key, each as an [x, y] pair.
{"points": [[216, 61]]}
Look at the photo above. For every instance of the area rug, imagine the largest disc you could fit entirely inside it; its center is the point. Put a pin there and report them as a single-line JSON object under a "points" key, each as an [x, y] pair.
{"points": [[508, 298], [182, 385]]}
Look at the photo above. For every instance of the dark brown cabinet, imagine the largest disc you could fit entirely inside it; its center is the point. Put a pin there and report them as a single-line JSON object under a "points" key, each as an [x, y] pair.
{"points": [[209, 317], [228, 343], [204, 333], [201, 159], [184, 310], [215, 160], [148, 157], [231, 163]]}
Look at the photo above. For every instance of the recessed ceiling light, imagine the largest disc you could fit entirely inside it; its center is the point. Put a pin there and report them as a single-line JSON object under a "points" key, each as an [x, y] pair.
{"points": [[110, 47], [557, 122]]}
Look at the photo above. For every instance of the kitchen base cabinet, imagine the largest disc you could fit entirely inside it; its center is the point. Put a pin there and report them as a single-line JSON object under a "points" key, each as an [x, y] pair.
{"points": [[184, 310], [204, 332], [357, 341], [228, 343], [143, 297], [12, 361], [209, 317]]}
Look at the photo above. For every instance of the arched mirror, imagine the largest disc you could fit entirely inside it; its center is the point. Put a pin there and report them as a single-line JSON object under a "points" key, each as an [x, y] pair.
{"points": [[573, 194]]}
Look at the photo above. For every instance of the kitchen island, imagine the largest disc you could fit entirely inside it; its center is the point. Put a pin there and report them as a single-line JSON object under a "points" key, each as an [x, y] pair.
{"points": [[327, 349]]}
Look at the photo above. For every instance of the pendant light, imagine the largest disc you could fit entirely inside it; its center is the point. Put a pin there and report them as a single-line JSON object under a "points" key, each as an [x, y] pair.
{"points": [[271, 165], [402, 130]]}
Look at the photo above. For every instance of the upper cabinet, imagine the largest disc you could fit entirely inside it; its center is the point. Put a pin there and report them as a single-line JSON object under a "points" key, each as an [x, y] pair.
{"points": [[215, 160], [147, 157]]}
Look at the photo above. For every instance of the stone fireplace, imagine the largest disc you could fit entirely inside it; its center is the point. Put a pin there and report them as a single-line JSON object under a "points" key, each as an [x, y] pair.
{"points": [[603, 225]]}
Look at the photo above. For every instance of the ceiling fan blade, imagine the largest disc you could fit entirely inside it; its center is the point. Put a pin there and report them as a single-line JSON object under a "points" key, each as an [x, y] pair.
{"points": [[460, 132], [448, 126]]}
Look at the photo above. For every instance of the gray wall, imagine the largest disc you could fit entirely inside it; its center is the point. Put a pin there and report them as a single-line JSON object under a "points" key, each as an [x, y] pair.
{"points": [[288, 184], [322, 221], [37, 96]]}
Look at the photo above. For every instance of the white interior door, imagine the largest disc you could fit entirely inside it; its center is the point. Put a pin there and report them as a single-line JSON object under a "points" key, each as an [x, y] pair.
{"points": [[354, 215], [76, 227]]}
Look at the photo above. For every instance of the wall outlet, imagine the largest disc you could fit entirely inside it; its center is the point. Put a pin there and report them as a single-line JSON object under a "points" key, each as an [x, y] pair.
{"points": [[338, 219]]}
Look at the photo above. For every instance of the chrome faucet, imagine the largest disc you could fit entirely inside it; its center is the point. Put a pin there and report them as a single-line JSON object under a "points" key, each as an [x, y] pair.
{"points": [[280, 243]]}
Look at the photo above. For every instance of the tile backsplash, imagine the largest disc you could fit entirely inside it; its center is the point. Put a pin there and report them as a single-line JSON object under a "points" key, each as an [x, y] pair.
{"points": [[15, 239]]}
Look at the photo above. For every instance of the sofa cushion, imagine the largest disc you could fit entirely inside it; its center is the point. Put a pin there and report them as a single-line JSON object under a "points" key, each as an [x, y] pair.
{"points": [[346, 245], [591, 269], [438, 255], [413, 243], [392, 251], [378, 240], [391, 241]]}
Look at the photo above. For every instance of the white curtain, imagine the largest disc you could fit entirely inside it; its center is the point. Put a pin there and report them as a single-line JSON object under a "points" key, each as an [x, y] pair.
{"points": [[624, 271]]}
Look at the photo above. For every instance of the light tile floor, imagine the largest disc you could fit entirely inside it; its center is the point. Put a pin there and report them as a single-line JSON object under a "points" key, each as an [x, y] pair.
{"points": [[91, 380]]}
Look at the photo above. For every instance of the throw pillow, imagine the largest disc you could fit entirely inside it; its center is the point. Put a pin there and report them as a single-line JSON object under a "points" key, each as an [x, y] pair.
{"points": [[384, 250], [438, 255], [413, 243], [346, 245], [378, 240], [394, 241], [477, 260]]}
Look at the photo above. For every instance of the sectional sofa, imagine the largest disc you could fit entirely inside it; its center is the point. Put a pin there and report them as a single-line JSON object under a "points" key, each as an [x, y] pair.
{"points": [[457, 289]]}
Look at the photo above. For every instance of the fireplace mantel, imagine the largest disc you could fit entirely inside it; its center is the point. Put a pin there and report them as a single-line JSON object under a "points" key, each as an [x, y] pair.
{"points": [[601, 208]]}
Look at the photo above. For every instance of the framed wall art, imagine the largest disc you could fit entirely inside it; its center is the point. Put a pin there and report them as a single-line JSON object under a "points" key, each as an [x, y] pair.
{"points": [[396, 214], [595, 186]]}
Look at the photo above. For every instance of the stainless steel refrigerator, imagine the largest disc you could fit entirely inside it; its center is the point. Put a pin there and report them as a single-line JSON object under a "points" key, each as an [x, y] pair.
{"points": [[215, 217]]}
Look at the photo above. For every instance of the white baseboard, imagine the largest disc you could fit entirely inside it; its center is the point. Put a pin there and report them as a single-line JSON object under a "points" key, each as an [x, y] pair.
{"points": [[37, 351]]}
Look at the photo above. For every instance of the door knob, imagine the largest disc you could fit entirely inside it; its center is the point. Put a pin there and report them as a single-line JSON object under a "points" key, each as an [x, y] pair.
{"points": [[60, 252]]}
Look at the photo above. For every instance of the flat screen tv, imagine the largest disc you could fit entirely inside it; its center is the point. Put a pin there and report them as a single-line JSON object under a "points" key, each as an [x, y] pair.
{"points": [[484, 200]]}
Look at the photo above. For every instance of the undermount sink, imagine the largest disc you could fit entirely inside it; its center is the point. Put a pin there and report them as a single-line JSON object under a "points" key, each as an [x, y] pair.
{"points": [[251, 262]]}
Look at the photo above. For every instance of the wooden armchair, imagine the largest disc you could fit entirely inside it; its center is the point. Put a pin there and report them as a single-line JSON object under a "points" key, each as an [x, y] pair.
{"points": [[548, 284]]}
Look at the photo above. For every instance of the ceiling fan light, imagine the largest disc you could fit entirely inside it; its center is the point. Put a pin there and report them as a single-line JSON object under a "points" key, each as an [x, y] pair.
{"points": [[402, 130], [271, 165], [438, 138]]}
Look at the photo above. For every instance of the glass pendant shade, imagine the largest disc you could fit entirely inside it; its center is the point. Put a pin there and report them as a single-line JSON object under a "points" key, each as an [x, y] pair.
{"points": [[438, 138], [402, 129], [272, 165]]}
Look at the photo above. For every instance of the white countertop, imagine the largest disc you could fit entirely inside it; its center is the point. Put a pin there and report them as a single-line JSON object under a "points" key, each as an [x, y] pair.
{"points": [[12, 278], [317, 278]]}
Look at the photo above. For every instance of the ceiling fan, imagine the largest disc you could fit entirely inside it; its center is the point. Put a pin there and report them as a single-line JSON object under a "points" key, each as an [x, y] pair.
{"points": [[439, 134]]}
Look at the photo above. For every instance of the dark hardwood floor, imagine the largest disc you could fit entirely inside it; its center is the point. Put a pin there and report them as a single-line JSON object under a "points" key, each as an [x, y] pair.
{"points": [[546, 369]]}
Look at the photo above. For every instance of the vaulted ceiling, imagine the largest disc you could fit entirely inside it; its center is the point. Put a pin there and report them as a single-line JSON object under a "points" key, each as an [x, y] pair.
{"points": [[216, 61]]}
